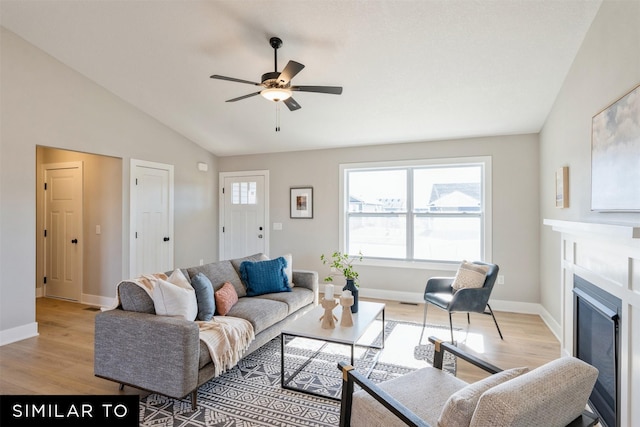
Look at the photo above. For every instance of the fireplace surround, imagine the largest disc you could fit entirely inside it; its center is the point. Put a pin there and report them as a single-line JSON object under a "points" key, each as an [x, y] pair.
{"points": [[607, 255]]}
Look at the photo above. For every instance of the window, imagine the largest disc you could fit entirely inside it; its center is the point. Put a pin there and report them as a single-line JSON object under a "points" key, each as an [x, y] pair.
{"points": [[418, 211], [243, 193]]}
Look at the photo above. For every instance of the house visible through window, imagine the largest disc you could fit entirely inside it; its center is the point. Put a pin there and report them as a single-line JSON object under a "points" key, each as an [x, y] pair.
{"points": [[418, 211]]}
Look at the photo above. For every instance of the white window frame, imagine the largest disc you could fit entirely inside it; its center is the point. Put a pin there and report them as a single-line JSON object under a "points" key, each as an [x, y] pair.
{"points": [[486, 215]]}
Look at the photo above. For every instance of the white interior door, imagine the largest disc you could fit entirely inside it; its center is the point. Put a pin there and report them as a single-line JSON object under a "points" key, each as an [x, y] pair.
{"points": [[63, 230], [244, 214], [152, 218]]}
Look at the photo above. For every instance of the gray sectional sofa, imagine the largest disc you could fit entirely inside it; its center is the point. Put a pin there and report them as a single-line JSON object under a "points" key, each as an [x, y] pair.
{"points": [[162, 354]]}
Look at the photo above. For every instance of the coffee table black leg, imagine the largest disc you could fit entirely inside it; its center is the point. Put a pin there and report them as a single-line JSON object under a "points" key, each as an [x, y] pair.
{"points": [[382, 328], [281, 360]]}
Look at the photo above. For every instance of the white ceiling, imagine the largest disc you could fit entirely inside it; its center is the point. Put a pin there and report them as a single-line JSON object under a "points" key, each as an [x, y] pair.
{"points": [[411, 70]]}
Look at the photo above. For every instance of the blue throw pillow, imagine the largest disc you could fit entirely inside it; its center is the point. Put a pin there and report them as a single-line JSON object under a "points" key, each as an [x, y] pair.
{"points": [[204, 296], [264, 277]]}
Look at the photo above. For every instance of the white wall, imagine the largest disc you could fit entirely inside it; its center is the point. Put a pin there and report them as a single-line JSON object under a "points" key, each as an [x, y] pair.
{"points": [[46, 103], [606, 67], [515, 208]]}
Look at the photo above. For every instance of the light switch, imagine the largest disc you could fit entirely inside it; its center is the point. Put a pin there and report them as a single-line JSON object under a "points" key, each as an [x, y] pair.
{"points": [[98, 229], [277, 226]]}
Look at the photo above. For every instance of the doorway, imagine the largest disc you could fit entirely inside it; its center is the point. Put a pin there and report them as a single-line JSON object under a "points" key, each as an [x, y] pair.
{"points": [[100, 236]]}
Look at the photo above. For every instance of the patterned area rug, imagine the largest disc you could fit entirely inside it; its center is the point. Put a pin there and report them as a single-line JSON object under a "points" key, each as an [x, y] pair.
{"points": [[250, 394]]}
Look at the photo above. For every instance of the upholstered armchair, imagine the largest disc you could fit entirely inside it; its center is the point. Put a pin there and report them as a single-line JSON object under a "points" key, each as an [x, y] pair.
{"points": [[553, 395], [441, 292]]}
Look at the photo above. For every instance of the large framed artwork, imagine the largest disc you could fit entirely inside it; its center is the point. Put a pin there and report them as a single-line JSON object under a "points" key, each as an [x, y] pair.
{"points": [[615, 156], [301, 202]]}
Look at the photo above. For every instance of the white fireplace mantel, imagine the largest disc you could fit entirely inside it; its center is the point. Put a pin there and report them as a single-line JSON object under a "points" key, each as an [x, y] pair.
{"points": [[607, 255], [618, 230]]}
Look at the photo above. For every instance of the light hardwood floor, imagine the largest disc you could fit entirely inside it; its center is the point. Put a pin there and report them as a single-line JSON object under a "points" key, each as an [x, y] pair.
{"points": [[60, 359]]}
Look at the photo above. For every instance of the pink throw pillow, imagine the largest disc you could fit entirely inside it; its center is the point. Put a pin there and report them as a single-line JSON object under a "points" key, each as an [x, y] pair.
{"points": [[226, 297]]}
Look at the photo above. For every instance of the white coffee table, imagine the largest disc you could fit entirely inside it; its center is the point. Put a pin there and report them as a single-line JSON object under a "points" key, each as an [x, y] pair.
{"points": [[308, 326]]}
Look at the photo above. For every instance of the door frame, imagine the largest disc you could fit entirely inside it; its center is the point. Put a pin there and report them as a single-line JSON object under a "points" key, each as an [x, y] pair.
{"points": [[133, 204], [221, 206], [56, 166]]}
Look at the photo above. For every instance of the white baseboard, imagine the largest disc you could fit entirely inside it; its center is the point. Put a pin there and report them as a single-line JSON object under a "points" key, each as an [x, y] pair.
{"points": [[97, 300], [496, 305], [410, 297], [18, 333]]}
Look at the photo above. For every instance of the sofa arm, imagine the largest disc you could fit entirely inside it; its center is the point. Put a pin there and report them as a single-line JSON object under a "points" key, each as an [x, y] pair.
{"points": [[155, 353], [307, 279]]}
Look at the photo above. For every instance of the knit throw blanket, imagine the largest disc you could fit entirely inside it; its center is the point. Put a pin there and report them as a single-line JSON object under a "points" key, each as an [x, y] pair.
{"points": [[226, 337]]}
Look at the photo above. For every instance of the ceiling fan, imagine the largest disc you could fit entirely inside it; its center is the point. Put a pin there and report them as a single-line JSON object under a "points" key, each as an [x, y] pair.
{"points": [[277, 85]]}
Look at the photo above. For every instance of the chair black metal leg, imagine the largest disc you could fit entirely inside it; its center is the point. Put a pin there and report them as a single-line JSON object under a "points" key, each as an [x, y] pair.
{"points": [[468, 319], [424, 323], [424, 317], [495, 321], [451, 327]]}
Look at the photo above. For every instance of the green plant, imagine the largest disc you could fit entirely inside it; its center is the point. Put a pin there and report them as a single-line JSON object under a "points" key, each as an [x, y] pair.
{"points": [[342, 265]]}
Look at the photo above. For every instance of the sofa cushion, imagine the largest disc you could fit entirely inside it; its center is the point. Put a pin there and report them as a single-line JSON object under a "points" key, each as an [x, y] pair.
{"points": [[134, 298], [424, 392], [204, 296], [470, 275], [263, 277], [219, 273], [175, 297], [255, 257], [260, 312], [551, 395], [296, 299], [459, 408], [226, 297]]}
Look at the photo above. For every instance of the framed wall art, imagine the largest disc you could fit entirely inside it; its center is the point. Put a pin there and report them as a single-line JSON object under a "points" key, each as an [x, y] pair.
{"points": [[301, 202], [615, 156], [562, 187]]}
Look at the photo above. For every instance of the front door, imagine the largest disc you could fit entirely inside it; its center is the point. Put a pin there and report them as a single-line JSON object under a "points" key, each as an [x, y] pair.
{"points": [[244, 214], [63, 230]]}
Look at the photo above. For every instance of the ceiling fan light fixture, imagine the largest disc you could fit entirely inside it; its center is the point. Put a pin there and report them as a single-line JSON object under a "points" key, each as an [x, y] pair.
{"points": [[276, 94]]}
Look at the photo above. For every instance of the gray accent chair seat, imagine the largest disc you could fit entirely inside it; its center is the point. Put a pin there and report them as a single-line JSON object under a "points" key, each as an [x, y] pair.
{"points": [[440, 293], [553, 395], [162, 354]]}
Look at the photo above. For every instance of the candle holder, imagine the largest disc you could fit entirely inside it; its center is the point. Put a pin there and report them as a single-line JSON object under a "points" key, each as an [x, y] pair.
{"points": [[347, 317], [328, 319]]}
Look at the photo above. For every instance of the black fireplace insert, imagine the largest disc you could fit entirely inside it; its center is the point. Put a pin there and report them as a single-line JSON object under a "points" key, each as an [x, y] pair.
{"points": [[596, 341]]}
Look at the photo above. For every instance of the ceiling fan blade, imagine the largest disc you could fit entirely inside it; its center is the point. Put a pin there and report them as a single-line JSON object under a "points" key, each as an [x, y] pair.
{"points": [[291, 104], [243, 97], [232, 79], [334, 90], [289, 72]]}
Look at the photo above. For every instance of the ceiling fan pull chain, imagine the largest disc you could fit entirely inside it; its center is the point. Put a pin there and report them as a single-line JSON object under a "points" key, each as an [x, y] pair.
{"points": [[277, 117]]}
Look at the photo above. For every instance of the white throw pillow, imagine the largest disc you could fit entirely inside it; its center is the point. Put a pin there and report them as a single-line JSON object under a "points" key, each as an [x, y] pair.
{"points": [[470, 275], [459, 408], [178, 278], [175, 297], [289, 269]]}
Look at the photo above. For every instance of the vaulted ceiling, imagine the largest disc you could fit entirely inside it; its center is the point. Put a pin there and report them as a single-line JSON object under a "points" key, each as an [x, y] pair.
{"points": [[411, 70]]}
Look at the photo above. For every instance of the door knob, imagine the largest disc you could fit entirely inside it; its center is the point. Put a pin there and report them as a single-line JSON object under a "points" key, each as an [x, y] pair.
{"points": [[74, 241], [259, 236], [166, 239]]}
